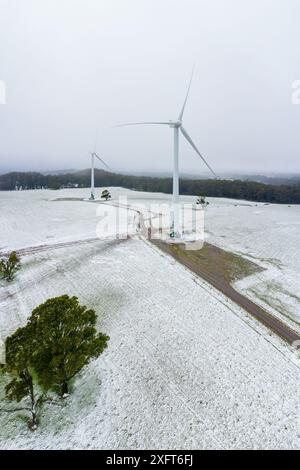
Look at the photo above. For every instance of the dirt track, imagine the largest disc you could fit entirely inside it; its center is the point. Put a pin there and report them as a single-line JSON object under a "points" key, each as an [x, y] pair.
{"points": [[54, 246], [284, 331]]}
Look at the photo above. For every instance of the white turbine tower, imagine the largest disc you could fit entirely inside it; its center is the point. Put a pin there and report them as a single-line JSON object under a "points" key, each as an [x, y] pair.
{"points": [[176, 125], [93, 155]]}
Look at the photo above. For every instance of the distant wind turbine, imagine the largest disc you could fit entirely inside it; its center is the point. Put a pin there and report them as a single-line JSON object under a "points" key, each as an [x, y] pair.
{"points": [[93, 155], [176, 125]]}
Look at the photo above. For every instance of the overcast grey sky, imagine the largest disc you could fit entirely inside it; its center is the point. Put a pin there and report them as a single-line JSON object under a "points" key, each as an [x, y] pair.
{"points": [[74, 66]]}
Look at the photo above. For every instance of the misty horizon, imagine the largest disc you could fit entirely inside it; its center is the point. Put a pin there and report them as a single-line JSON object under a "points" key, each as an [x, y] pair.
{"points": [[74, 69]]}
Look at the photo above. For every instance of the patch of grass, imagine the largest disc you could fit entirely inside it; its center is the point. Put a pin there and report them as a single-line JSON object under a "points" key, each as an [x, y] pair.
{"points": [[274, 302], [273, 261], [215, 261]]}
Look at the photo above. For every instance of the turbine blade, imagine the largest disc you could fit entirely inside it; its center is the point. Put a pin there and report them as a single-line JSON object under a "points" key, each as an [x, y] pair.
{"points": [[96, 141], [141, 123], [184, 132], [102, 161], [187, 94]]}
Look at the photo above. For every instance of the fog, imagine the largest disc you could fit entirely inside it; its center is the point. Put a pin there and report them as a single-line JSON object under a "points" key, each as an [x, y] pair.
{"points": [[74, 68]]}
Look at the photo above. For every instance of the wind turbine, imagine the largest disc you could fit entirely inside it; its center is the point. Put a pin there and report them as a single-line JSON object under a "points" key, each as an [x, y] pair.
{"points": [[176, 125], [93, 155]]}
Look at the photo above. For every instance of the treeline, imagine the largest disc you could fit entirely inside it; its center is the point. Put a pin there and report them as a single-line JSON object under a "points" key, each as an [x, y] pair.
{"points": [[237, 189]]}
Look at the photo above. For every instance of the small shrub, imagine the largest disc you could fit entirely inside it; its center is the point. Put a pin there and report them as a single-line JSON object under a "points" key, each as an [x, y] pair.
{"points": [[105, 194], [9, 266]]}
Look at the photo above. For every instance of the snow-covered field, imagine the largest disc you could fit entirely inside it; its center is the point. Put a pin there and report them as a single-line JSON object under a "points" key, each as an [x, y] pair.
{"points": [[269, 235], [185, 367]]}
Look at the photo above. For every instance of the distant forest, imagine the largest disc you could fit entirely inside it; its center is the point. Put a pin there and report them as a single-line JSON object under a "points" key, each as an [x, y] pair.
{"points": [[235, 189]]}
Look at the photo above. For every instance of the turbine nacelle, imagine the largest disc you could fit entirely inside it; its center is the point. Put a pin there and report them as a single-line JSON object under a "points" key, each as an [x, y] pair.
{"points": [[175, 124]]}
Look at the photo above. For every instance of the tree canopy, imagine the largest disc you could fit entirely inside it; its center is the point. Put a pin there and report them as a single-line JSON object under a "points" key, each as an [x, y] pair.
{"points": [[65, 340], [59, 339], [9, 266]]}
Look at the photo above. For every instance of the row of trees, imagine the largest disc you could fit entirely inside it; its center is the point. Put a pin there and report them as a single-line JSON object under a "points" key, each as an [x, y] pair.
{"points": [[249, 190], [59, 339]]}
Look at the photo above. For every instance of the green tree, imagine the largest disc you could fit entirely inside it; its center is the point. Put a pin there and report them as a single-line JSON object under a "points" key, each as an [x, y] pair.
{"points": [[65, 340], [9, 266], [105, 194], [53, 184], [18, 365], [202, 201]]}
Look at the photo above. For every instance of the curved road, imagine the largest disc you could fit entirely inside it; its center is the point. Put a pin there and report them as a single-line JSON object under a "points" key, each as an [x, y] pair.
{"points": [[267, 319], [272, 322]]}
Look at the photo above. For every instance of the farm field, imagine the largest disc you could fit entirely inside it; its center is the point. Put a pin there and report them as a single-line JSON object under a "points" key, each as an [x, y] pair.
{"points": [[185, 367]]}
